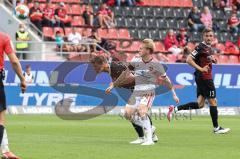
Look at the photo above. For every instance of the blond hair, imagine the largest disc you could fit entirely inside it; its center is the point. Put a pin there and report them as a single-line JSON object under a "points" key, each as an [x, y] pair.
{"points": [[149, 44]]}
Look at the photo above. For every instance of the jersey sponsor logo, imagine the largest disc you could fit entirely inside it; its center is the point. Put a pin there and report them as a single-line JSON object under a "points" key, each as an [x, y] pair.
{"points": [[194, 53]]}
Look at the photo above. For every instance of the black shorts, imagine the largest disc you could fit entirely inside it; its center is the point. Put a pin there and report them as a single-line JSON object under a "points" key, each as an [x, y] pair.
{"points": [[2, 97], [206, 88]]}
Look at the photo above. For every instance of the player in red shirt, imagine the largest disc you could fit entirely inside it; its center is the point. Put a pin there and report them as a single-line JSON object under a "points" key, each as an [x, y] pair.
{"points": [[6, 47], [201, 59]]}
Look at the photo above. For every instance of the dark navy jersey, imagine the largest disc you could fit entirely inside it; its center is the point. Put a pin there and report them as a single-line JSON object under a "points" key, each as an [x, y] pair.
{"points": [[203, 55]]}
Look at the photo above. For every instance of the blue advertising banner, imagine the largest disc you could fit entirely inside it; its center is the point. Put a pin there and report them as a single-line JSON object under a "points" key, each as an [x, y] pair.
{"points": [[40, 93]]}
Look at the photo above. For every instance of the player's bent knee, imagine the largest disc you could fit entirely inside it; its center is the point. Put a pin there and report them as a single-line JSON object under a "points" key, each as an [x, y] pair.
{"points": [[212, 101]]}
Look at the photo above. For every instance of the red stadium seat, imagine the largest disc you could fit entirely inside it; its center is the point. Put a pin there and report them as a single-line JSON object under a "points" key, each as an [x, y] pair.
{"points": [[75, 9], [233, 59], [112, 33], [123, 45], [67, 31], [172, 58], [223, 59], [124, 34], [77, 21], [48, 32], [130, 57], [102, 32], [159, 47], [135, 46], [220, 46]]}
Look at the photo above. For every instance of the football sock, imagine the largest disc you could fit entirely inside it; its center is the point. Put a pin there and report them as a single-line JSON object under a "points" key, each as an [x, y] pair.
{"points": [[4, 144], [192, 105], [147, 127], [1, 132], [149, 119], [139, 130], [214, 115]]}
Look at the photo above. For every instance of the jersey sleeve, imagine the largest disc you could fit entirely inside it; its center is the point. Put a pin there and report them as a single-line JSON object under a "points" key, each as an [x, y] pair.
{"points": [[8, 47], [196, 52]]}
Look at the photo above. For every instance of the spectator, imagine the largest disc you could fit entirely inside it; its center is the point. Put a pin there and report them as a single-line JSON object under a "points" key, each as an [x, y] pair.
{"points": [[214, 46], [36, 16], [48, 15], [75, 38], [62, 19], [194, 20], [237, 4], [28, 75], [60, 45], [22, 38], [233, 24], [105, 16], [97, 40], [171, 43], [181, 58], [182, 37], [125, 2], [88, 15], [206, 17], [238, 42]]}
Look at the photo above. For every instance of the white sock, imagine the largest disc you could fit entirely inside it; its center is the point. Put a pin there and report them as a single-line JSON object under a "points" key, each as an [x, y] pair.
{"points": [[137, 120], [4, 144], [147, 128]]}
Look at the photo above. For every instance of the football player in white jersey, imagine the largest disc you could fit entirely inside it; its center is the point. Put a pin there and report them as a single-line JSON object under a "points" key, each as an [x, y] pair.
{"points": [[149, 74]]}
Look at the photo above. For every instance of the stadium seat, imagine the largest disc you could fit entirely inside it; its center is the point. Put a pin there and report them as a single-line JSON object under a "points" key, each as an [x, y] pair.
{"points": [[123, 45], [148, 12], [135, 46], [158, 12], [233, 59], [168, 13], [134, 33], [143, 34], [102, 32], [221, 47], [77, 21], [130, 22], [129, 57], [127, 12], [159, 46], [121, 22], [152, 23], [172, 23], [138, 11], [162, 23], [141, 23], [112, 33], [223, 59], [154, 34], [68, 31], [48, 32], [178, 13], [118, 11], [123, 34], [75, 9]]}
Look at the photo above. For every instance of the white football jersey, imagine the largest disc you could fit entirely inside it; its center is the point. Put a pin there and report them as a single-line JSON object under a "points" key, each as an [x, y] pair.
{"points": [[147, 73]]}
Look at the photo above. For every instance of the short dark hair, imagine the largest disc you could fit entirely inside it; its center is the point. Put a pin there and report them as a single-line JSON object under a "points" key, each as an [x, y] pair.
{"points": [[207, 30], [28, 66], [98, 60]]}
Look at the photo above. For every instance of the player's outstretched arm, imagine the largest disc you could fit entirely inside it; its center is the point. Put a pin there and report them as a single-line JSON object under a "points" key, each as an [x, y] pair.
{"points": [[167, 82], [192, 63], [18, 69], [121, 80]]}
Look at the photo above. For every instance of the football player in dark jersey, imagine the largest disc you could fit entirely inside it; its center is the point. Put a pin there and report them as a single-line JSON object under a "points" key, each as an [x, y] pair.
{"points": [[201, 59], [115, 69]]}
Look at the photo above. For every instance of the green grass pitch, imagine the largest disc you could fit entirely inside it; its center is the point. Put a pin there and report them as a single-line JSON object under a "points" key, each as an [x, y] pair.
{"points": [[107, 137]]}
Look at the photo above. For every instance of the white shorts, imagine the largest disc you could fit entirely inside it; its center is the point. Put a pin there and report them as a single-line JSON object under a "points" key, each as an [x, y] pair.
{"points": [[137, 99]]}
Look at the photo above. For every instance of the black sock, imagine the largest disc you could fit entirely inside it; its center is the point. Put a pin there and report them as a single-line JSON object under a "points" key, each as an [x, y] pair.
{"points": [[192, 105], [1, 132], [150, 119], [214, 115], [139, 130]]}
